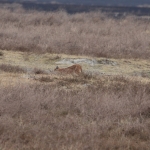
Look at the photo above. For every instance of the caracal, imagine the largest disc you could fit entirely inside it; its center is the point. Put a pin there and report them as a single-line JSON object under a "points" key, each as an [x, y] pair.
{"points": [[73, 70]]}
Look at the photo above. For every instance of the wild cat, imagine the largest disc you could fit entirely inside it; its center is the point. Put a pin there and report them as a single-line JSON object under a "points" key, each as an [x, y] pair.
{"points": [[73, 70]]}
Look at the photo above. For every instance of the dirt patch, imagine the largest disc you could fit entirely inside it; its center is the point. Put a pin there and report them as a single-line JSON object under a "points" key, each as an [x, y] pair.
{"points": [[77, 61]]}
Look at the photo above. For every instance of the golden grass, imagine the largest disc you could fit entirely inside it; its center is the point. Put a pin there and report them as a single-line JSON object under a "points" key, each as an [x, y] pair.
{"points": [[132, 68], [39, 69]]}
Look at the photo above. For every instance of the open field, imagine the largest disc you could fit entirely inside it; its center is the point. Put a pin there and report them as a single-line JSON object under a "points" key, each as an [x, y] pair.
{"points": [[106, 108], [31, 63], [39, 116]]}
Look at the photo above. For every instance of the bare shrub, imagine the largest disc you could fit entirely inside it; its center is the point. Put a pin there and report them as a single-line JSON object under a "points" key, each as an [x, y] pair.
{"points": [[139, 132], [92, 118], [1, 53], [91, 33], [39, 71], [10, 68], [145, 112]]}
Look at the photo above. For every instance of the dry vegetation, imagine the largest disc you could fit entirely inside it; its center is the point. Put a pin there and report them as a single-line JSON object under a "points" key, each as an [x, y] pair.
{"points": [[10, 68], [92, 112], [39, 116], [91, 33]]}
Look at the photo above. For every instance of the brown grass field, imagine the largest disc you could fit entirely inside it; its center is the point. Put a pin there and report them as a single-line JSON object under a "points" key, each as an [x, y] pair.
{"points": [[92, 34], [107, 108]]}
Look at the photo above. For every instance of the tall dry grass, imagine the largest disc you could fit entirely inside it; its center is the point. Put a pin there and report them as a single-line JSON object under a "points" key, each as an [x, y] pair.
{"points": [[91, 33], [40, 116], [12, 69], [101, 116]]}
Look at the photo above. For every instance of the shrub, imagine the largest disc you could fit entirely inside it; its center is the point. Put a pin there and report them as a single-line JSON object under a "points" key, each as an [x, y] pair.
{"points": [[90, 118], [12, 69], [39, 71], [80, 34], [1, 53]]}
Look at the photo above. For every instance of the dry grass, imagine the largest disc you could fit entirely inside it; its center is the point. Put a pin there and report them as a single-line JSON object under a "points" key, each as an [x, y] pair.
{"points": [[40, 116], [41, 111], [1, 53], [46, 63], [45, 79], [38, 71], [90, 33], [50, 111], [11, 69]]}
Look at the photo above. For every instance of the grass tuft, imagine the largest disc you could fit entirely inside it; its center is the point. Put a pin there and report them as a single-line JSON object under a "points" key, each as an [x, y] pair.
{"points": [[106, 116], [1, 54], [39, 71], [11, 69], [45, 79]]}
